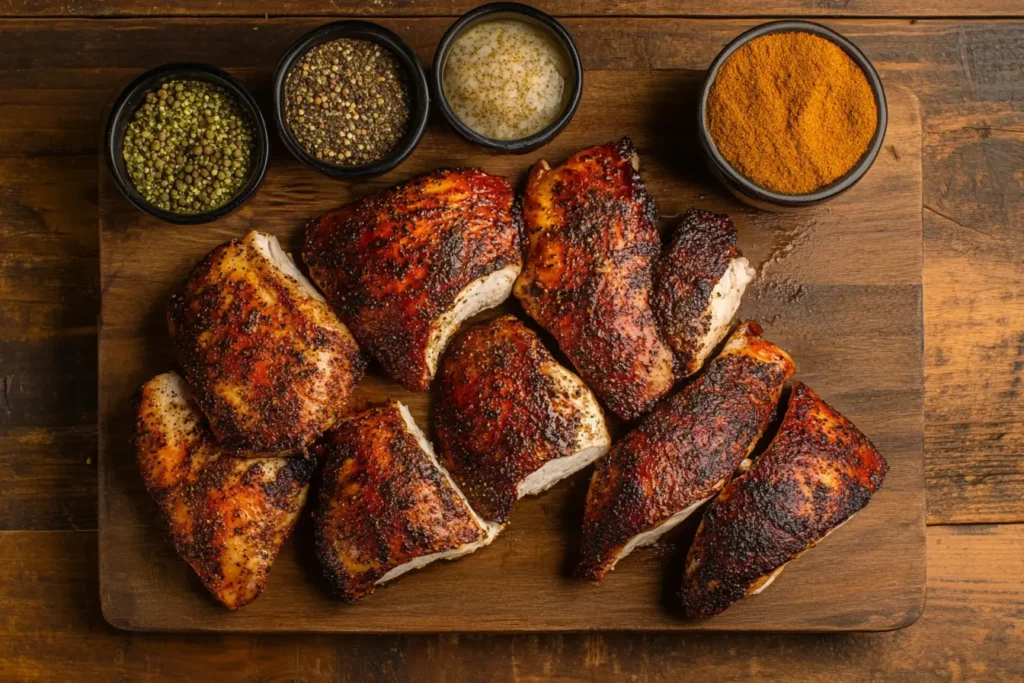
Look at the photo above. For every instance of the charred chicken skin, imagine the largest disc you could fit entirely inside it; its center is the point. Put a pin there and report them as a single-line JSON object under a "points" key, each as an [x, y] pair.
{"points": [[510, 420], [386, 506], [272, 367], [592, 242], [698, 283], [406, 266], [683, 452], [227, 517], [817, 473]]}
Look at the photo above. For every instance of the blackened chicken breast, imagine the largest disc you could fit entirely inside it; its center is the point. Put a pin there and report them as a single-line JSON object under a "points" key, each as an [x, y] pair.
{"points": [[817, 473]]}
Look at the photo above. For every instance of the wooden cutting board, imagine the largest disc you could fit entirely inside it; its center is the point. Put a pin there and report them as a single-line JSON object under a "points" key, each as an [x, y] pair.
{"points": [[839, 287]]}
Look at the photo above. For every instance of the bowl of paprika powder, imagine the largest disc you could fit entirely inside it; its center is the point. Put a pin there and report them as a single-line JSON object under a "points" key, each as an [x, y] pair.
{"points": [[791, 114]]}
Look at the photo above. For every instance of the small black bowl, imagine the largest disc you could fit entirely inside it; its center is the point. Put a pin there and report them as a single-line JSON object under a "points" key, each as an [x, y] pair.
{"points": [[419, 97], [509, 10], [763, 198], [133, 96]]}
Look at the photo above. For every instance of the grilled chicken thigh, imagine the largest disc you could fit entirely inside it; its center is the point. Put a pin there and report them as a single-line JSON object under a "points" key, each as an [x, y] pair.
{"points": [[587, 279], [817, 473], [510, 420], [406, 266], [386, 506], [698, 284], [271, 365], [683, 452], [227, 517]]}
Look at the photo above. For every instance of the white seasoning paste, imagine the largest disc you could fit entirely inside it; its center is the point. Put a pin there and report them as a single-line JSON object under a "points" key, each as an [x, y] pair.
{"points": [[505, 78]]}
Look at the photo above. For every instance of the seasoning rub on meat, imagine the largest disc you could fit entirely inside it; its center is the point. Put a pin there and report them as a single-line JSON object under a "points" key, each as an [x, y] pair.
{"points": [[592, 242], [683, 452], [406, 266], [270, 364], [511, 421], [386, 506], [698, 284], [227, 517], [817, 473]]}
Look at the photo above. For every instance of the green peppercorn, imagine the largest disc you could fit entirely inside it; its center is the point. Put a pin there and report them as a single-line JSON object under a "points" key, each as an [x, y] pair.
{"points": [[168, 147]]}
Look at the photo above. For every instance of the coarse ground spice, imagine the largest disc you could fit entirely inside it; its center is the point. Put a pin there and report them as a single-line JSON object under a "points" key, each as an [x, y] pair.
{"points": [[188, 147], [791, 111], [505, 78], [347, 102]]}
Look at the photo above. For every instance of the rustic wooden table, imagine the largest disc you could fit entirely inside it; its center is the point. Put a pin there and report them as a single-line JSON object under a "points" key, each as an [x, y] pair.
{"points": [[60, 63]]}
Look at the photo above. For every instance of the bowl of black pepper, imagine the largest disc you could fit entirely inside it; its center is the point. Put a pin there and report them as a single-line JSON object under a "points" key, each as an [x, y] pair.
{"points": [[186, 143], [351, 99]]}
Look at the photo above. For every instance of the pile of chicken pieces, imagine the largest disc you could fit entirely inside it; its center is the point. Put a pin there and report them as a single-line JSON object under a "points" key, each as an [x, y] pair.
{"points": [[269, 362]]}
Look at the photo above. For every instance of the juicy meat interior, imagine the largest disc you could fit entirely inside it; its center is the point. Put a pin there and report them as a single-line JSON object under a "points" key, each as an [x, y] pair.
{"points": [[818, 472], [405, 266], [510, 420], [270, 364], [385, 505], [592, 242], [227, 517], [698, 284], [683, 452]]}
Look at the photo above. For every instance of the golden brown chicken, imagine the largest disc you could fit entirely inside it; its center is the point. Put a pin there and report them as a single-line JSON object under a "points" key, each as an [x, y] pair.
{"points": [[683, 452], [592, 242], [406, 266], [698, 283], [817, 473], [227, 517], [510, 420], [271, 365], [386, 506]]}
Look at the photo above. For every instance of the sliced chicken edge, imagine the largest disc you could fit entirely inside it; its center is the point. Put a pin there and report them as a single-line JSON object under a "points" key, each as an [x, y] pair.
{"points": [[481, 294], [758, 585], [652, 535], [593, 440], [489, 530], [179, 425], [725, 300], [270, 248]]}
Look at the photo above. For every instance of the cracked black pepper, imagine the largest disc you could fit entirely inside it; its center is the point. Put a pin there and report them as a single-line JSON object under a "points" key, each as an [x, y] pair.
{"points": [[188, 147], [347, 102]]}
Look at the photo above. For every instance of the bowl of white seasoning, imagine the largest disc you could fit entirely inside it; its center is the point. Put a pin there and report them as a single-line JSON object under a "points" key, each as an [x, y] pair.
{"points": [[507, 76]]}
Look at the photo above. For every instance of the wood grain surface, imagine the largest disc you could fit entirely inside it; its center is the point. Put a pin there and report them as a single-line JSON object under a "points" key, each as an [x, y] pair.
{"points": [[691, 8], [56, 76]]}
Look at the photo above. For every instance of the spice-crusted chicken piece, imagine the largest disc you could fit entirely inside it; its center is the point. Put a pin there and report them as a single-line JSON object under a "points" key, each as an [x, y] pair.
{"points": [[816, 474], [227, 517], [406, 266], [698, 284], [588, 273], [683, 452], [510, 420], [386, 506], [269, 362]]}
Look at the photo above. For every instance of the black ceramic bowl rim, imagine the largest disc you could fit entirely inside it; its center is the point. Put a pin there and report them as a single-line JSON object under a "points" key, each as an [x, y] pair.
{"points": [[841, 184], [540, 137], [131, 98], [418, 110]]}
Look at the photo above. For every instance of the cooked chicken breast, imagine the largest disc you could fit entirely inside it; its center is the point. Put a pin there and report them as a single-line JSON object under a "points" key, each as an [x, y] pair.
{"points": [[683, 452], [386, 506], [698, 284], [511, 421], [227, 517], [817, 473], [588, 274], [406, 266], [271, 365]]}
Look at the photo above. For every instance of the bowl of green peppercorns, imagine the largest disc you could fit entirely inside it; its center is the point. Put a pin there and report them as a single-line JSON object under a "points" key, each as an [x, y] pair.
{"points": [[186, 143]]}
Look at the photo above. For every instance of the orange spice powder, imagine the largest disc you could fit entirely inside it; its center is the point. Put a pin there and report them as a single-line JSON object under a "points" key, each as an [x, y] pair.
{"points": [[791, 111]]}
